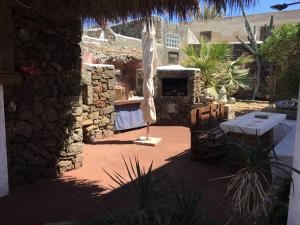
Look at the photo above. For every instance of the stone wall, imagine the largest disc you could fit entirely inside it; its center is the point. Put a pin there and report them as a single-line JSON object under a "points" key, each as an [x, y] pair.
{"points": [[134, 28], [176, 110], [98, 93], [43, 114]]}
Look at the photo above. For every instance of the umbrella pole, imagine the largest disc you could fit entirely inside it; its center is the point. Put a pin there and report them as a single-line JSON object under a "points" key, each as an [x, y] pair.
{"points": [[148, 128]]}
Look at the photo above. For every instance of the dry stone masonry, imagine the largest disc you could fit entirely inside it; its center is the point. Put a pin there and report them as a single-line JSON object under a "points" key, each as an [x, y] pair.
{"points": [[176, 109], [98, 90], [44, 114]]}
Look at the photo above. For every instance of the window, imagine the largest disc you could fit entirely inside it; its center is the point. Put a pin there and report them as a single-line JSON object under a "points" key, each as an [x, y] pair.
{"points": [[173, 57], [173, 40], [205, 35]]}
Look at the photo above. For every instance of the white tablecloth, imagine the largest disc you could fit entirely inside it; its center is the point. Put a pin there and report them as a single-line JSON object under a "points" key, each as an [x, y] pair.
{"points": [[248, 124]]}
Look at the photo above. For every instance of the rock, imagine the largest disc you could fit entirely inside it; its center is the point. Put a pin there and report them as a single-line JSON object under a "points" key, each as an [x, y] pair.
{"points": [[85, 107], [12, 107], [99, 135], [64, 166], [94, 115], [86, 78], [232, 100], [78, 159], [74, 149], [76, 138], [108, 133], [24, 129], [24, 115], [105, 120], [24, 34], [51, 46], [108, 110], [87, 122], [38, 108], [111, 84], [50, 115], [90, 128], [76, 111]]}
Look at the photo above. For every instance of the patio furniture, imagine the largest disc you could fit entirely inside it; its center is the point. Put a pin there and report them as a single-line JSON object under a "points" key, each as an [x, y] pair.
{"points": [[253, 125], [284, 151], [205, 131]]}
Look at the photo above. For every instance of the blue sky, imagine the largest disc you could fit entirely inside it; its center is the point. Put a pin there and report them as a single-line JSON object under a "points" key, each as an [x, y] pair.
{"points": [[263, 6]]}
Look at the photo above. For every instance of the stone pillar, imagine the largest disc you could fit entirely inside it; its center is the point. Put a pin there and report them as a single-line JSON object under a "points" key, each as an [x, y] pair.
{"points": [[294, 206], [98, 102], [3, 154]]}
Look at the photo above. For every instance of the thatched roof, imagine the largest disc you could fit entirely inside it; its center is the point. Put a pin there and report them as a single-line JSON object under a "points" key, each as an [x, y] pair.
{"points": [[118, 10]]}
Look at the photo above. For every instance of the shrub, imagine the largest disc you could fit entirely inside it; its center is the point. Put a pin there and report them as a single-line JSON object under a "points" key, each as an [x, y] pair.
{"points": [[217, 68], [282, 51]]}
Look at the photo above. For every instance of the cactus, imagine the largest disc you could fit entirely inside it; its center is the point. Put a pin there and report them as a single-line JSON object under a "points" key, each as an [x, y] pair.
{"points": [[252, 47], [268, 29]]}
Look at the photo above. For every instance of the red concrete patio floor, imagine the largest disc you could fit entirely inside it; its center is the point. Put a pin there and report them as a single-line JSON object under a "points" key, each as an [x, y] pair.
{"points": [[81, 194]]}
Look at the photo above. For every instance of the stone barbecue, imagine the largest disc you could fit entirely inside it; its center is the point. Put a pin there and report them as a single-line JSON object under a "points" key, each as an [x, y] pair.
{"points": [[177, 90]]}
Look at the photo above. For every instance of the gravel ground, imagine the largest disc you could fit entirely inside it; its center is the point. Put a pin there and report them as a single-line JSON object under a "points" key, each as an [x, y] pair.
{"points": [[244, 107]]}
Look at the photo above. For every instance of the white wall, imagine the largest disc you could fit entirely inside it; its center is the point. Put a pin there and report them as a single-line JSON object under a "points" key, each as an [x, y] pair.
{"points": [[294, 207], [226, 29], [3, 153]]}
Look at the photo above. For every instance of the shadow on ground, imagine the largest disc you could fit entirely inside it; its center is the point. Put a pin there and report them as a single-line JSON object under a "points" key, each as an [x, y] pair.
{"points": [[73, 197]]}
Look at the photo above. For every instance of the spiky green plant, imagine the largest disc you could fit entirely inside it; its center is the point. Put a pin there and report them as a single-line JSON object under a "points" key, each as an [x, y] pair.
{"points": [[143, 186], [177, 206], [249, 187], [184, 205], [252, 46], [235, 77]]}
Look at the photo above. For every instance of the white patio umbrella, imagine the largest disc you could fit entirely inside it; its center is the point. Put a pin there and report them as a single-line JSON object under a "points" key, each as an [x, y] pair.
{"points": [[149, 61]]}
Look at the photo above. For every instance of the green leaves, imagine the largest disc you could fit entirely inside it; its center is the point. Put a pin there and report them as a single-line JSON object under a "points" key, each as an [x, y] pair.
{"points": [[249, 188], [217, 69], [144, 187], [282, 51], [177, 206]]}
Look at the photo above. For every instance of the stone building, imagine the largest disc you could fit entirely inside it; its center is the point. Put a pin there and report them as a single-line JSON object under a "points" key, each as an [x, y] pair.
{"points": [[171, 37], [226, 29], [40, 68]]}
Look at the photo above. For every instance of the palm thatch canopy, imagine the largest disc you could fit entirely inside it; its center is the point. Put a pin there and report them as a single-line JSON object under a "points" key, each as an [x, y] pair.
{"points": [[118, 10]]}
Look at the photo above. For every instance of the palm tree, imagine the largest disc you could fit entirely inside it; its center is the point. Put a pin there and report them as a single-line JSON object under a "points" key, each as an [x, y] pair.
{"points": [[235, 77], [210, 11], [217, 69], [208, 58]]}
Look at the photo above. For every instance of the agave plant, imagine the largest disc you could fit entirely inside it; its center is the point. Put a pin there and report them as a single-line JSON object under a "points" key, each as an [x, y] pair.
{"points": [[248, 189], [177, 206], [144, 187]]}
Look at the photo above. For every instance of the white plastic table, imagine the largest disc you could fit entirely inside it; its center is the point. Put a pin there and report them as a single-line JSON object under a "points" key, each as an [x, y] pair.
{"points": [[248, 124]]}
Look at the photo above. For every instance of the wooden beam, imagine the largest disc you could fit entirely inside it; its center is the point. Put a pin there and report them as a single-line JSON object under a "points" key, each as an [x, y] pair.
{"points": [[10, 78]]}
